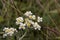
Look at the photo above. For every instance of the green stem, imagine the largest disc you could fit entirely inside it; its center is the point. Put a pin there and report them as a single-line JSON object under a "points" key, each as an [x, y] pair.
{"points": [[23, 36]]}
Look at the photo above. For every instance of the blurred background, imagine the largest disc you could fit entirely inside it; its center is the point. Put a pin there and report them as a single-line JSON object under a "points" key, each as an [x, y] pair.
{"points": [[49, 10]]}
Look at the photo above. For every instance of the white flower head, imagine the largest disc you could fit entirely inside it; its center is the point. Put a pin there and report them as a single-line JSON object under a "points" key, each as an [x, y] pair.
{"points": [[9, 31], [15, 30], [22, 26], [5, 29], [28, 22], [36, 26], [28, 13], [4, 35], [33, 17], [39, 19], [19, 19], [12, 29], [31, 22]]}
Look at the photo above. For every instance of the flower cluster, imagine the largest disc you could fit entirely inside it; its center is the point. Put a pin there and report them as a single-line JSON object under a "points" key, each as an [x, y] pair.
{"points": [[8, 31], [30, 21]]}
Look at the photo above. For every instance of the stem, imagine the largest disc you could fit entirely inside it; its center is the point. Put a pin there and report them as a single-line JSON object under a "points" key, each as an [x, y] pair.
{"points": [[23, 36]]}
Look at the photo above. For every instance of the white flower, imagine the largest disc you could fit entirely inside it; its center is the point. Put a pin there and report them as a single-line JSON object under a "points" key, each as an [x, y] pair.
{"points": [[32, 17], [36, 26], [22, 26], [12, 29], [28, 24], [5, 29], [15, 30], [28, 13], [30, 21], [4, 35], [39, 19], [9, 31], [19, 19]]}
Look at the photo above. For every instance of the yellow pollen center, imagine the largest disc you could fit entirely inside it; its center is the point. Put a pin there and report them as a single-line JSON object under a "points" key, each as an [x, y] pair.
{"points": [[30, 16], [8, 30]]}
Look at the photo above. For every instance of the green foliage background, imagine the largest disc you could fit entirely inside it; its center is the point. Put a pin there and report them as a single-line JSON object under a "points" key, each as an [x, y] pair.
{"points": [[48, 9]]}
